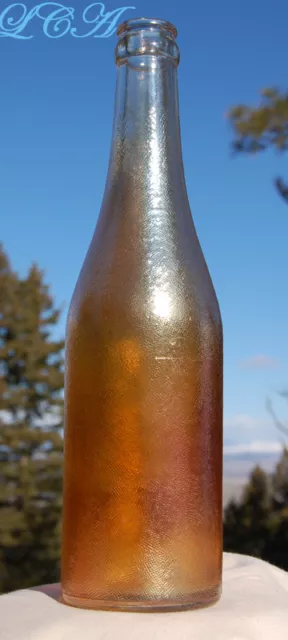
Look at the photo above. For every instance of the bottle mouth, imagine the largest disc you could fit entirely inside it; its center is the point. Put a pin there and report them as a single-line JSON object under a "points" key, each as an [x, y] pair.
{"points": [[139, 24], [146, 37]]}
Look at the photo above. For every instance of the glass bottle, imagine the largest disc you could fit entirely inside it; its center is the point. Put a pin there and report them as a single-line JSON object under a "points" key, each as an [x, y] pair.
{"points": [[142, 516]]}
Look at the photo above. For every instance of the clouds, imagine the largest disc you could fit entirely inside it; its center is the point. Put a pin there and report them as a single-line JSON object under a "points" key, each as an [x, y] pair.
{"points": [[247, 425], [259, 447], [251, 438], [244, 421], [259, 362]]}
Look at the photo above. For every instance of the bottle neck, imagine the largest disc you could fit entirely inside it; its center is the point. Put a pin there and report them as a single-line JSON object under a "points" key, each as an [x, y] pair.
{"points": [[146, 156]]}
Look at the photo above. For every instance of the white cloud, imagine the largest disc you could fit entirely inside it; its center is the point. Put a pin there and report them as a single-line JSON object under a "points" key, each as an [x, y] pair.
{"points": [[238, 426], [245, 421], [263, 447], [260, 362], [240, 421]]}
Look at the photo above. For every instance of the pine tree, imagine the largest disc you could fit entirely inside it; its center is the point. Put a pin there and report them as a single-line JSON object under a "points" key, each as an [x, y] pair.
{"points": [[257, 525], [277, 550], [31, 423], [280, 482], [247, 525], [263, 127]]}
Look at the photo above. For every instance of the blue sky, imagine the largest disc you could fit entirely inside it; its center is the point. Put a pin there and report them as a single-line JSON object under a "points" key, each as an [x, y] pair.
{"points": [[56, 110]]}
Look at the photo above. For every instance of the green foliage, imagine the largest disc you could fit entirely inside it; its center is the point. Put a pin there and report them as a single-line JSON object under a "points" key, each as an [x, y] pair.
{"points": [[31, 423], [258, 524], [263, 127]]}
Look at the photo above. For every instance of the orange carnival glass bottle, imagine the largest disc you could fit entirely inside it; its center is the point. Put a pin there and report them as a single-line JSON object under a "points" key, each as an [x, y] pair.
{"points": [[142, 515]]}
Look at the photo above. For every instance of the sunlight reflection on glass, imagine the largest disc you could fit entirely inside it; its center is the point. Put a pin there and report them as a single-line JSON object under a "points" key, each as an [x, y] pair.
{"points": [[162, 304]]}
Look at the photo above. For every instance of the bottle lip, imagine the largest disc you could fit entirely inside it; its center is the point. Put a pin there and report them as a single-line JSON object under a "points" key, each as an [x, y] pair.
{"points": [[139, 24]]}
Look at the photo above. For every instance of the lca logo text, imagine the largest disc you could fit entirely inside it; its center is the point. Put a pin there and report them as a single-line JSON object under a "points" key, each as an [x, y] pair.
{"points": [[58, 20]]}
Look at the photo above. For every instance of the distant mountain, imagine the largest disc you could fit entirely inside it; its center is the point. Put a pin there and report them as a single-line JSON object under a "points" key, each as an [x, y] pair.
{"points": [[237, 468]]}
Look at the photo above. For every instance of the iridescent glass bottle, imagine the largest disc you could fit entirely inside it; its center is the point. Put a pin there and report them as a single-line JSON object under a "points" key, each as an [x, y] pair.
{"points": [[142, 521]]}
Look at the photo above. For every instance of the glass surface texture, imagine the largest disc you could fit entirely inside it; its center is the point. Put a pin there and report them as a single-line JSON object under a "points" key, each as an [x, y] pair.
{"points": [[142, 517]]}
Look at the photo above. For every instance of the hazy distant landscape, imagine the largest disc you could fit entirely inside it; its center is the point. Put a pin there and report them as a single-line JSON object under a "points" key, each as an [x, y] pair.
{"points": [[237, 469]]}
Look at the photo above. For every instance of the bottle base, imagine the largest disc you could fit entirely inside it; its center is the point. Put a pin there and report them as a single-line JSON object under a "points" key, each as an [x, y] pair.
{"points": [[195, 601]]}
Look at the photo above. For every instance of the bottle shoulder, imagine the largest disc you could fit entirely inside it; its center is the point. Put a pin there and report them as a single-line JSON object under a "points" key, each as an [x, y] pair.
{"points": [[163, 284]]}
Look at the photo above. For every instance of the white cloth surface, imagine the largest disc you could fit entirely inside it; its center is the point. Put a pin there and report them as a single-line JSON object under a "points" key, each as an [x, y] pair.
{"points": [[254, 606]]}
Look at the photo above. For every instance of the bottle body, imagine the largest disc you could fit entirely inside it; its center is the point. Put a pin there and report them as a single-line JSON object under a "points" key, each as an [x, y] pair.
{"points": [[142, 519]]}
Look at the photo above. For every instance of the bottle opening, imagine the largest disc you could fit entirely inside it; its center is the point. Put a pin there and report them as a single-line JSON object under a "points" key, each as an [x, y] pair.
{"points": [[139, 24], [146, 36]]}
